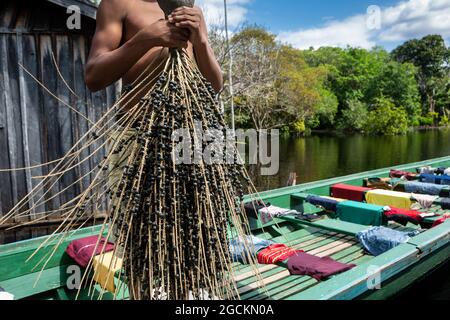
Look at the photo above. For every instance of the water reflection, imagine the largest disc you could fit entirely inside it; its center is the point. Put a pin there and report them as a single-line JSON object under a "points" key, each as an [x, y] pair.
{"points": [[321, 157]]}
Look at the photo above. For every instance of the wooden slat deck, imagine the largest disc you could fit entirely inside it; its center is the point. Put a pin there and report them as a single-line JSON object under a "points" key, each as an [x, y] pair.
{"points": [[278, 282]]}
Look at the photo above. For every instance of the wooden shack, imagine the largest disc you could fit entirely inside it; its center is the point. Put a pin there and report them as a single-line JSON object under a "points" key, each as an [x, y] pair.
{"points": [[35, 127]]}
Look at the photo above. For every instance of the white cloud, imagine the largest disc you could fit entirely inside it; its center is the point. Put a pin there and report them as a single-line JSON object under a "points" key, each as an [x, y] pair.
{"points": [[351, 31], [214, 11], [403, 21]]}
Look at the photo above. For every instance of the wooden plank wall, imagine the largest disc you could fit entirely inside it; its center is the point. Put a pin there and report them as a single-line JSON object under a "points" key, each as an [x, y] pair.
{"points": [[35, 127]]}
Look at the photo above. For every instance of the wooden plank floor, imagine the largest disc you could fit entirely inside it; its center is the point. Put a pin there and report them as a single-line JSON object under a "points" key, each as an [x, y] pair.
{"points": [[278, 282]]}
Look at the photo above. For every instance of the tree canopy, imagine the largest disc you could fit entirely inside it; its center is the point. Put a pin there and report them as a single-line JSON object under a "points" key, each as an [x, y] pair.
{"points": [[346, 89]]}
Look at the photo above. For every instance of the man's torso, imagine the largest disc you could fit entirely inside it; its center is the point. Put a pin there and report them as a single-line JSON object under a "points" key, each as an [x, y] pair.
{"points": [[141, 14]]}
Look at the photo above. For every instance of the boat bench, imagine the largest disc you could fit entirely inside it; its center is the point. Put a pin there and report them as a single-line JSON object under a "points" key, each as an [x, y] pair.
{"points": [[349, 228]]}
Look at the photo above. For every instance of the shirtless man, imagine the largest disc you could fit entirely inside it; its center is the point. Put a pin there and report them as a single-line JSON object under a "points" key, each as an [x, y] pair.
{"points": [[130, 35]]}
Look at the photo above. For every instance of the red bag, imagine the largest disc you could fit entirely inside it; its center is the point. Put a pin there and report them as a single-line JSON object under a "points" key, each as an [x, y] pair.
{"points": [[82, 250]]}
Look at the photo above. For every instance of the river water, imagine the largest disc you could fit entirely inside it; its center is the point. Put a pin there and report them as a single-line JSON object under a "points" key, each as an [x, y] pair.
{"points": [[320, 157]]}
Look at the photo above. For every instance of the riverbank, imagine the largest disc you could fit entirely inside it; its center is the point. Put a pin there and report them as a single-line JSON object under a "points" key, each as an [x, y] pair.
{"points": [[340, 133]]}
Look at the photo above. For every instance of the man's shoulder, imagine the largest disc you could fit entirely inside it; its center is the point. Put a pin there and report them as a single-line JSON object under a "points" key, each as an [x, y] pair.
{"points": [[117, 6]]}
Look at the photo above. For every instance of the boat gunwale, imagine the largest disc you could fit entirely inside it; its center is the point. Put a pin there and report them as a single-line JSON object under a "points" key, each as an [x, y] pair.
{"points": [[326, 182]]}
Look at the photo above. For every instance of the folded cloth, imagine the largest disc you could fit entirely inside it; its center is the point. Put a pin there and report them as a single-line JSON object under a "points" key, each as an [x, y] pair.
{"points": [[82, 250], [400, 187], [326, 203], [267, 214], [424, 188], [444, 180], [440, 221], [349, 192], [335, 199], [105, 268], [440, 170], [447, 172], [403, 216], [240, 248], [423, 201], [378, 240], [316, 267], [276, 253], [4, 296], [430, 178], [426, 170], [252, 208], [360, 213], [378, 183], [389, 198], [400, 174], [445, 203]]}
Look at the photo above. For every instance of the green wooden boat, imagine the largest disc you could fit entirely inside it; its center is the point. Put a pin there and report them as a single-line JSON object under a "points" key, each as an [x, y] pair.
{"points": [[396, 269]]}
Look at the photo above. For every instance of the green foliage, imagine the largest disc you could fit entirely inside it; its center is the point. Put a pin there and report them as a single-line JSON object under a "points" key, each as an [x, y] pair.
{"points": [[386, 119], [445, 122], [349, 89], [426, 120], [285, 131], [327, 108], [430, 54], [398, 82], [353, 118], [432, 57], [300, 87], [299, 126]]}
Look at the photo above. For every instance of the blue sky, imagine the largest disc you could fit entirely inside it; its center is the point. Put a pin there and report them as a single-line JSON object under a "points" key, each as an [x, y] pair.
{"points": [[305, 23], [291, 14]]}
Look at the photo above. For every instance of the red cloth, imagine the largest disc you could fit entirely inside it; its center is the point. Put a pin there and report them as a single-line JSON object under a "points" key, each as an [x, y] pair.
{"points": [[406, 174], [410, 215], [276, 253], [440, 221], [347, 192], [316, 267], [82, 250]]}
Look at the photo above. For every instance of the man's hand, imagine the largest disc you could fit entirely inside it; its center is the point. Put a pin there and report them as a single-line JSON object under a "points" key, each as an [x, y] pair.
{"points": [[165, 34], [192, 19]]}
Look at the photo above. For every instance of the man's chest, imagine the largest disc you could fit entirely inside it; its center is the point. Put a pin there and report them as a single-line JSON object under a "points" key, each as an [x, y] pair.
{"points": [[140, 16]]}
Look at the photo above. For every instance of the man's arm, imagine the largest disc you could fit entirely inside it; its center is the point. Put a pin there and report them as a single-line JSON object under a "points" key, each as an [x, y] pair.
{"points": [[108, 62], [192, 19]]}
